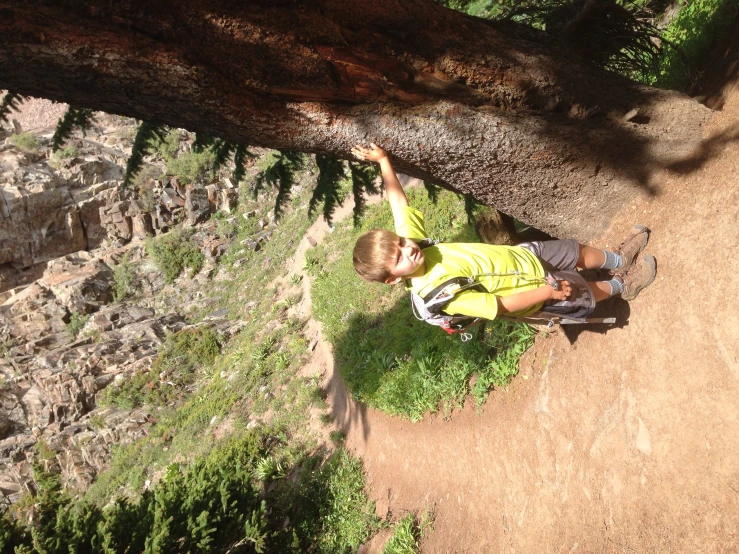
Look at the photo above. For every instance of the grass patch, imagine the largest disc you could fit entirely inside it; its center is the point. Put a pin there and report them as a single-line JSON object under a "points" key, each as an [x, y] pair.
{"points": [[174, 252], [390, 360], [25, 141], [408, 532], [172, 372]]}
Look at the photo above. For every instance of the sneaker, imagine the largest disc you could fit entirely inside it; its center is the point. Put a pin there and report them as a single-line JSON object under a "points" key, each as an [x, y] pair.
{"points": [[639, 276], [630, 248]]}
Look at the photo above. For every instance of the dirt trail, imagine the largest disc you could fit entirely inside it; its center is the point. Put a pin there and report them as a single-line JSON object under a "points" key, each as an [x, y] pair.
{"points": [[624, 441]]}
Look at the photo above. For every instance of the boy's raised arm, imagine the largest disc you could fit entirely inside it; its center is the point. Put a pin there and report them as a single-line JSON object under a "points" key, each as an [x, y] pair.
{"points": [[395, 194]]}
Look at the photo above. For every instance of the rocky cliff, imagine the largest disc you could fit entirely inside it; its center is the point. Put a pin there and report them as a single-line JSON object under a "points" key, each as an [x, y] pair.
{"points": [[65, 222]]}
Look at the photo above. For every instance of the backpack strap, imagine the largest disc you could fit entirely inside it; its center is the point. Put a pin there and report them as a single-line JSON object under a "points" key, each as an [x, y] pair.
{"points": [[427, 242]]}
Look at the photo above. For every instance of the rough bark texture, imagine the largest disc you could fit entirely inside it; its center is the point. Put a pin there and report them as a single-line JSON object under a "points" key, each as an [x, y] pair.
{"points": [[500, 111]]}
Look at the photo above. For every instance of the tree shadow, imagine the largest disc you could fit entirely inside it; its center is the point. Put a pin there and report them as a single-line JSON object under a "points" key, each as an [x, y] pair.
{"points": [[709, 149]]}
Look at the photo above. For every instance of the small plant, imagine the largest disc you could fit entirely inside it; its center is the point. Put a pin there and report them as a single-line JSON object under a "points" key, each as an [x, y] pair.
{"points": [[44, 451], [174, 252], [337, 437], [76, 323], [124, 278], [5, 345], [67, 152], [97, 422], [408, 533], [269, 469], [25, 141], [295, 279]]}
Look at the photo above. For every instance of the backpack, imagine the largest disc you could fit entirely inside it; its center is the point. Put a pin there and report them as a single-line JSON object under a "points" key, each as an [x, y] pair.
{"points": [[430, 308]]}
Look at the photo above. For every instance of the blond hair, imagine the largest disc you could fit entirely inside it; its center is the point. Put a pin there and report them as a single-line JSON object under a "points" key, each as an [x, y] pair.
{"points": [[374, 254]]}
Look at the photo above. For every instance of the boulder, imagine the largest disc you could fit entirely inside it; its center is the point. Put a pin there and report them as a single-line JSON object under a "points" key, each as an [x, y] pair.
{"points": [[142, 226], [197, 208], [80, 282], [116, 221]]}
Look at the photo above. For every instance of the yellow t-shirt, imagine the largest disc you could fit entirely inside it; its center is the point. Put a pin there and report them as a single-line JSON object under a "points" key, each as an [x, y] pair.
{"points": [[447, 260]]}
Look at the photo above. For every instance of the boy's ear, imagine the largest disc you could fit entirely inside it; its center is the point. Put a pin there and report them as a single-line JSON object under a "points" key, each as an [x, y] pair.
{"points": [[393, 280]]}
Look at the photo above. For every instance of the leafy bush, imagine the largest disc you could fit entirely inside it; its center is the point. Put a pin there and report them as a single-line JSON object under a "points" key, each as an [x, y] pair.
{"points": [[389, 359], [173, 370], [174, 252], [214, 506], [191, 166], [67, 152], [25, 141], [693, 31], [76, 323], [124, 278]]}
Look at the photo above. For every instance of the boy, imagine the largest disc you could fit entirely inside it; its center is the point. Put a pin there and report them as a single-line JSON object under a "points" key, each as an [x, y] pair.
{"points": [[548, 278]]}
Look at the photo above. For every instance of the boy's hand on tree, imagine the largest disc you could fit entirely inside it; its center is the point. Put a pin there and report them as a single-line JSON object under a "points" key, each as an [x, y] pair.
{"points": [[372, 154], [564, 292]]}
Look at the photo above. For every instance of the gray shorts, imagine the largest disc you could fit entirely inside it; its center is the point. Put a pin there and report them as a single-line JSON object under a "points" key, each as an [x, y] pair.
{"points": [[559, 259]]}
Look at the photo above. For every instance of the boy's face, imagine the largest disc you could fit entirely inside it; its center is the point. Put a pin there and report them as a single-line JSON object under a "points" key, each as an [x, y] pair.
{"points": [[409, 262]]}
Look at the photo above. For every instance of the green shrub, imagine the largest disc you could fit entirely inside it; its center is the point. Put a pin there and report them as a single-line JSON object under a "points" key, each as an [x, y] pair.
{"points": [[76, 323], [389, 359], [25, 141], [405, 537], [191, 166], [67, 152], [694, 31], [124, 278], [174, 252], [212, 506]]}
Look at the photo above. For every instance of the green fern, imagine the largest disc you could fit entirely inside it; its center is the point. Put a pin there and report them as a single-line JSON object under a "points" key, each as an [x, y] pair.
{"points": [[363, 180], [432, 190], [148, 136], [10, 102], [222, 152], [81, 118], [330, 174], [202, 142], [240, 155], [280, 173]]}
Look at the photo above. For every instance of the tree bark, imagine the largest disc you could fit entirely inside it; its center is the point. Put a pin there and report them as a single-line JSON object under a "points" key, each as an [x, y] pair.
{"points": [[503, 112]]}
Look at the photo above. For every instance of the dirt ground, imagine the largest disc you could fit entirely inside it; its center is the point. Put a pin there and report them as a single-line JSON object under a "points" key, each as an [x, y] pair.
{"points": [[618, 441]]}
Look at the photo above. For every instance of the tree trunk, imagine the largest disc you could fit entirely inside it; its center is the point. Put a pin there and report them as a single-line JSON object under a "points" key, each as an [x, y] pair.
{"points": [[503, 112]]}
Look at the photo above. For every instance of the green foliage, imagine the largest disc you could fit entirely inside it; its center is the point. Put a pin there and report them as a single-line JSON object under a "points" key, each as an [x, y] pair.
{"points": [[148, 137], [12, 535], [212, 506], [327, 507], [405, 537], [363, 180], [10, 102], [67, 152], [25, 141], [221, 151], [190, 167], [370, 324], [76, 323], [124, 278], [407, 534], [174, 252], [328, 187], [168, 145], [183, 354], [693, 32], [80, 118], [279, 171]]}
